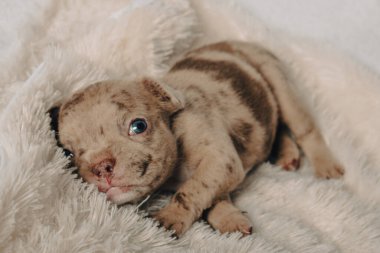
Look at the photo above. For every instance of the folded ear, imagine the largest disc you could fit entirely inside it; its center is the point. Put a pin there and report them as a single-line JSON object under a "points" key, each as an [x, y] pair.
{"points": [[54, 115], [167, 97]]}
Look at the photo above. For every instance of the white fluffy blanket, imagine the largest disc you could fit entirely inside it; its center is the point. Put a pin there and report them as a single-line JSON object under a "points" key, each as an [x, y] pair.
{"points": [[51, 48]]}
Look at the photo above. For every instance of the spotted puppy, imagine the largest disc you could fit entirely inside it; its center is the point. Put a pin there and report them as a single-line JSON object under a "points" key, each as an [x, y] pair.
{"points": [[201, 128]]}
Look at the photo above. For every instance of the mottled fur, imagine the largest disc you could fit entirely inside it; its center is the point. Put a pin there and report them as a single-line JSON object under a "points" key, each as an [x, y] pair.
{"points": [[211, 119]]}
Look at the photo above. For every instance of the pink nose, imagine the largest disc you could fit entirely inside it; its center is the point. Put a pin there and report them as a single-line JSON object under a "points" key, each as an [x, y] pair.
{"points": [[104, 169]]}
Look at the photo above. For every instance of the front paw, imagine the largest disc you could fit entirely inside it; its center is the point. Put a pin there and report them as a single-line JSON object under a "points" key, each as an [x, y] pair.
{"points": [[175, 217], [232, 222], [328, 168]]}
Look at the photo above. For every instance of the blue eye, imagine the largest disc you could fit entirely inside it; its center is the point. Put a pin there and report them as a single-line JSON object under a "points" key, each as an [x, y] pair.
{"points": [[137, 126]]}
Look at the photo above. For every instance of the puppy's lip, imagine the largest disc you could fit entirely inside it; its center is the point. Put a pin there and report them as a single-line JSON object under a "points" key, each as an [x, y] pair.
{"points": [[122, 188], [113, 192]]}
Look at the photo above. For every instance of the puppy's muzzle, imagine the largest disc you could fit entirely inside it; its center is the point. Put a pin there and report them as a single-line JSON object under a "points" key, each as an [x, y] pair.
{"points": [[104, 169]]}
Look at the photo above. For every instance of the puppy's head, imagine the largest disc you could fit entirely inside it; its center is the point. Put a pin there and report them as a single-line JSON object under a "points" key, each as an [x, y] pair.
{"points": [[120, 136]]}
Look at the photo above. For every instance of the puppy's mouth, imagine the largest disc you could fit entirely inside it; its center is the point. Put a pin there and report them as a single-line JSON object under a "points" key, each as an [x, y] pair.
{"points": [[120, 188], [123, 194]]}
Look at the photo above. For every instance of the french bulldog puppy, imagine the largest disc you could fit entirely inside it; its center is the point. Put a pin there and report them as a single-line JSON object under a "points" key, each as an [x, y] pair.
{"points": [[201, 128]]}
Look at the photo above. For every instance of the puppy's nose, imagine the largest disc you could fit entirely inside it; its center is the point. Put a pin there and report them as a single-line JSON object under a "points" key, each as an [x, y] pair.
{"points": [[104, 168]]}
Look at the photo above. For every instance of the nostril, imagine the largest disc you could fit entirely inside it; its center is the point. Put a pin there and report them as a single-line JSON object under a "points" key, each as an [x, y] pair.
{"points": [[103, 168], [109, 168], [96, 172]]}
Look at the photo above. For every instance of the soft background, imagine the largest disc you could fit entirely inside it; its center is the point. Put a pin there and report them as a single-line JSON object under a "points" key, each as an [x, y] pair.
{"points": [[50, 48], [350, 25]]}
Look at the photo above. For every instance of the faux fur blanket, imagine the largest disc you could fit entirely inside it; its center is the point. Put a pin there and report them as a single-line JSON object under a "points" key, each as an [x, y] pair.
{"points": [[51, 48]]}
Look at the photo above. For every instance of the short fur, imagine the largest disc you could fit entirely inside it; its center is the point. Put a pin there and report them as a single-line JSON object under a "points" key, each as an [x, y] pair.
{"points": [[211, 119]]}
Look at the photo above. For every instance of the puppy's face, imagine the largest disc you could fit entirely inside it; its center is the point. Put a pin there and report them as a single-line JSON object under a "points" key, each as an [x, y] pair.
{"points": [[120, 136]]}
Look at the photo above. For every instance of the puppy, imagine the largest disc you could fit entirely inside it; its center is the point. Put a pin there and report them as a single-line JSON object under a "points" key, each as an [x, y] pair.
{"points": [[202, 127]]}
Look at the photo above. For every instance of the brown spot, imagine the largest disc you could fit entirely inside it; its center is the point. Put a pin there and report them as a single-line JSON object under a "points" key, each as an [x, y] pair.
{"points": [[76, 99], [119, 105], [155, 89], [206, 142], [198, 163], [243, 129], [147, 105], [180, 198], [197, 98], [223, 93], [197, 91], [123, 100], [101, 130], [240, 135], [230, 168], [125, 94], [204, 185], [258, 66], [239, 145], [250, 91], [80, 152], [144, 164]]}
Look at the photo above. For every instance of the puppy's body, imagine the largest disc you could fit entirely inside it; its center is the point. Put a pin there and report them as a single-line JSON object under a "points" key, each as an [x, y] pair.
{"points": [[218, 122]]}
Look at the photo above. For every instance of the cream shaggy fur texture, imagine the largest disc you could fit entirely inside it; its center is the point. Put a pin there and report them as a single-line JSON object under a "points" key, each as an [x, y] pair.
{"points": [[50, 48]]}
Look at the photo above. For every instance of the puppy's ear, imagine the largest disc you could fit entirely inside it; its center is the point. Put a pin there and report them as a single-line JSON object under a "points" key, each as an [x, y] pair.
{"points": [[168, 98], [54, 114]]}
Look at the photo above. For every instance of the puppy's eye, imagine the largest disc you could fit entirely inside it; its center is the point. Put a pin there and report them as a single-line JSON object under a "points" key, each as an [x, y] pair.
{"points": [[137, 126]]}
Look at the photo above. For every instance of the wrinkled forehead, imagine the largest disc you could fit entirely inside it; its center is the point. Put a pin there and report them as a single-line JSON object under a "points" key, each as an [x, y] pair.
{"points": [[100, 93], [116, 94], [101, 102]]}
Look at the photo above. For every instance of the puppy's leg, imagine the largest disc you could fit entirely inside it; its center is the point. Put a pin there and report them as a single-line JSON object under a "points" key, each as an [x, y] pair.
{"points": [[285, 150], [217, 170], [306, 132], [293, 115], [226, 218]]}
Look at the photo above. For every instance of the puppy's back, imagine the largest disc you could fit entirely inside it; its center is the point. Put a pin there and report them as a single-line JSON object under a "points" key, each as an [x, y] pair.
{"points": [[223, 82]]}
